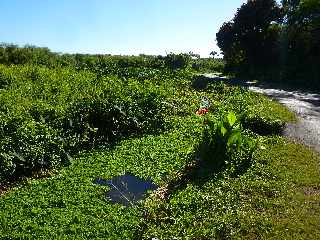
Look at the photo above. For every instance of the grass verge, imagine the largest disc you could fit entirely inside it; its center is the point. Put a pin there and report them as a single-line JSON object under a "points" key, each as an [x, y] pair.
{"points": [[277, 197]]}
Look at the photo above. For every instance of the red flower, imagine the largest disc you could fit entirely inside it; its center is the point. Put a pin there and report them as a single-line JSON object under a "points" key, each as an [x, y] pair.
{"points": [[202, 111]]}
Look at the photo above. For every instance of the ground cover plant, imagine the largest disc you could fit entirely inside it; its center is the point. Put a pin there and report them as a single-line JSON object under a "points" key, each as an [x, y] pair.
{"points": [[222, 169], [70, 110]]}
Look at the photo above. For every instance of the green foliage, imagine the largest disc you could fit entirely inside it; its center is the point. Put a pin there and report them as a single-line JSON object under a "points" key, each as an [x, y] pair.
{"points": [[71, 205], [255, 111], [207, 65], [200, 82], [32, 146], [265, 202], [13, 54], [46, 114], [225, 145], [249, 41], [123, 66], [108, 120], [267, 41], [301, 41], [262, 125], [177, 61]]}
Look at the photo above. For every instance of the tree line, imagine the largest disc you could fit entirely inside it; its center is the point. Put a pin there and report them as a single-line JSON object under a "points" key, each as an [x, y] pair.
{"points": [[274, 41], [12, 54]]}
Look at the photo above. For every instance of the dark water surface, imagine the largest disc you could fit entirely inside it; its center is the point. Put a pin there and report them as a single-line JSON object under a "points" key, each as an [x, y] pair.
{"points": [[126, 189]]}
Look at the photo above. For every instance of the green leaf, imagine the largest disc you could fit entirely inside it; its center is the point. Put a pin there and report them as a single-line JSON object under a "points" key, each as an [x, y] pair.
{"points": [[223, 130], [234, 138], [231, 118]]}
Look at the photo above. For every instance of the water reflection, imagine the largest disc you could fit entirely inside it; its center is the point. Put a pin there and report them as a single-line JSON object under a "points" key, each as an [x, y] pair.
{"points": [[126, 189]]}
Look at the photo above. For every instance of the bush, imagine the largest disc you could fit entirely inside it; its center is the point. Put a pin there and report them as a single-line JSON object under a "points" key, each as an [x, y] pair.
{"points": [[47, 113], [108, 119], [208, 65], [177, 61], [263, 126], [31, 146], [200, 82], [225, 145]]}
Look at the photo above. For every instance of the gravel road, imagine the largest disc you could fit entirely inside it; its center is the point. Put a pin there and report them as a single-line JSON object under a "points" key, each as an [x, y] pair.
{"points": [[304, 104], [307, 108]]}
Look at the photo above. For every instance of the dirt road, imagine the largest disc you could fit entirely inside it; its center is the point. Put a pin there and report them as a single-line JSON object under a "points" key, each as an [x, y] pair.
{"points": [[305, 105], [307, 108]]}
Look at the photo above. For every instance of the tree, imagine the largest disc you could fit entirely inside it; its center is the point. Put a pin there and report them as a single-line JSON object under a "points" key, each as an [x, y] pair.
{"points": [[302, 41], [177, 61], [250, 41], [270, 41], [213, 54]]}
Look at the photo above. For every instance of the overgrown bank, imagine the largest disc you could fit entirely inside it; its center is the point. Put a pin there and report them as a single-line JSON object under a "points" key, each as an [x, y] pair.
{"points": [[226, 172]]}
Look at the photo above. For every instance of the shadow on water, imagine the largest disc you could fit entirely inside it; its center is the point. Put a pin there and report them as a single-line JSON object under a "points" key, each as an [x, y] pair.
{"points": [[127, 189]]}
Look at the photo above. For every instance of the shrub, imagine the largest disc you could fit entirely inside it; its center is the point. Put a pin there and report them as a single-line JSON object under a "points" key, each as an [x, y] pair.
{"points": [[208, 65], [225, 145], [262, 125], [200, 82], [177, 61], [31, 146], [108, 119], [45, 113]]}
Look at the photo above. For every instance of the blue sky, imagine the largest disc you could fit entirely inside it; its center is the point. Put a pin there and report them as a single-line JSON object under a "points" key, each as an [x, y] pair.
{"points": [[116, 26]]}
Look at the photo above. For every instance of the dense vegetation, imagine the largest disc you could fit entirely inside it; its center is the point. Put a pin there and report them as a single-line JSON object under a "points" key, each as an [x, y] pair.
{"points": [[46, 114], [53, 105], [274, 42], [213, 150], [105, 64]]}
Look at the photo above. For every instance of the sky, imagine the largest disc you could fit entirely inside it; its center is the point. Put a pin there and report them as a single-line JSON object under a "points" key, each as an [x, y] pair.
{"points": [[126, 27]]}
